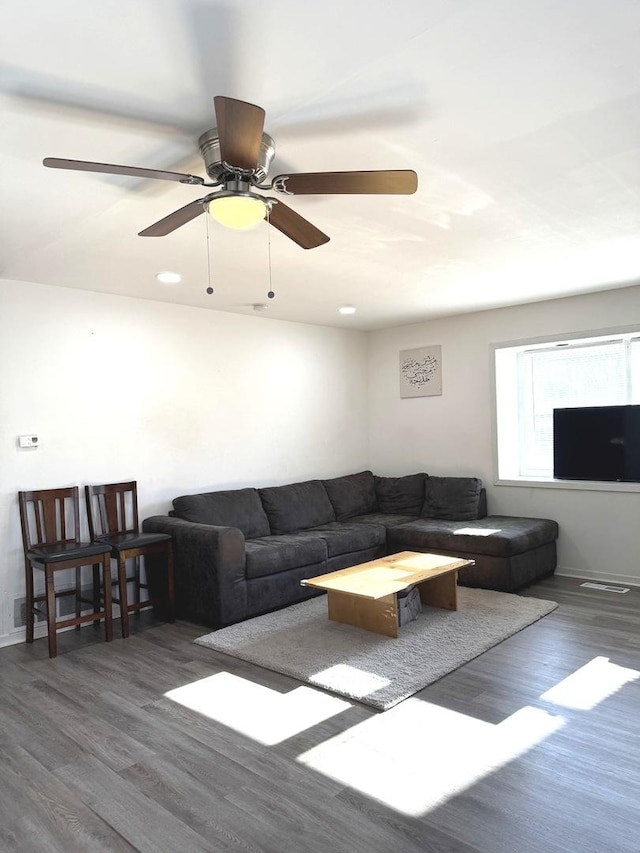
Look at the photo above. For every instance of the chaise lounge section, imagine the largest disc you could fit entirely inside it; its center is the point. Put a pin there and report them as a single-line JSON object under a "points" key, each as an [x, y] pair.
{"points": [[242, 552]]}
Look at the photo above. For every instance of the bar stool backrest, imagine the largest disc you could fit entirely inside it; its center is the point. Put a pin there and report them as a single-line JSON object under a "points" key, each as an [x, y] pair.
{"points": [[112, 508], [49, 517]]}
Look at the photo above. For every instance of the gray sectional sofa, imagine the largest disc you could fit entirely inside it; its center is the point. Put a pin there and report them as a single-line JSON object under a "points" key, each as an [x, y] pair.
{"points": [[242, 552]]}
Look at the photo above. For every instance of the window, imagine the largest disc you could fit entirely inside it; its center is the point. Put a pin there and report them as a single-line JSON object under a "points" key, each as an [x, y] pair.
{"points": [[534, 379]]}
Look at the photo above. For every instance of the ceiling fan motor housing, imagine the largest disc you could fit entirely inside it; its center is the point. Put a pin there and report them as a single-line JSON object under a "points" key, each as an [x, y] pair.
{"points": [[209, 144]]}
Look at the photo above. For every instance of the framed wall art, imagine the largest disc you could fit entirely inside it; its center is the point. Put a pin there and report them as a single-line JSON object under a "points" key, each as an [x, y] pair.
{"points": [[421, 372]]}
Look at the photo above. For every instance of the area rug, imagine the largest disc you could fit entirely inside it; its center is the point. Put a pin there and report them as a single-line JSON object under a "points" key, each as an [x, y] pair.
{"points": [[378, 671]]}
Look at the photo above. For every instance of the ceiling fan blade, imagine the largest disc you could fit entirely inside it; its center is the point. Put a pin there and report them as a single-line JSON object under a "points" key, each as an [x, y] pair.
{"points": [[239, 128], [174, 220], [47, 92], [296, 227], [391, 182], [109, 169]]}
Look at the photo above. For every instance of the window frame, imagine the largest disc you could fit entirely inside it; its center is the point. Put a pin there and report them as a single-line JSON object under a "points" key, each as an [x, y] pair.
{"points": [[507, 405]]}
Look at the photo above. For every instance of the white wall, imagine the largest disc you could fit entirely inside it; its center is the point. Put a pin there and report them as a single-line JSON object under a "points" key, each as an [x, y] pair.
{"points": [[180, 399], [452, 434], [185, 399]]}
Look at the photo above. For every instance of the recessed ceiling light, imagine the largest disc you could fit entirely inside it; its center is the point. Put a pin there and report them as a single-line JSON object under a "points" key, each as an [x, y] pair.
{"points": [[169, 277], [347, 309]]}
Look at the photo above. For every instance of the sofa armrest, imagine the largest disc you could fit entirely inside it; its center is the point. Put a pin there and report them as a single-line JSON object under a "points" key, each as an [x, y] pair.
{"points": [[209, 570]]}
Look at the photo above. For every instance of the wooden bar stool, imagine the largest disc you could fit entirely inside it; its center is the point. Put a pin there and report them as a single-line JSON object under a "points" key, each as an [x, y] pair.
{"points": [[112, 510], [50, 521]]}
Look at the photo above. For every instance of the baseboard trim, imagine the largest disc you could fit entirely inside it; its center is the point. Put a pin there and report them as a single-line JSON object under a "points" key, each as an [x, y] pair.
{"points": [[12, 639], [600, 577], [19, 636], [40, 630]]}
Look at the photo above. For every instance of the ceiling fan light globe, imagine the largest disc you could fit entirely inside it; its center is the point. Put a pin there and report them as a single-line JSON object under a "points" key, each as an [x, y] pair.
{"points": [[240, 212]]}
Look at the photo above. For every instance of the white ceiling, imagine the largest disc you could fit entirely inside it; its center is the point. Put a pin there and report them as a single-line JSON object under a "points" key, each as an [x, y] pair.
{"points": [[522, 120]]}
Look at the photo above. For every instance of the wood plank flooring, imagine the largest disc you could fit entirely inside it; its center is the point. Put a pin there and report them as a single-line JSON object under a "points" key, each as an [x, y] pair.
{"points": [[95, 757]]}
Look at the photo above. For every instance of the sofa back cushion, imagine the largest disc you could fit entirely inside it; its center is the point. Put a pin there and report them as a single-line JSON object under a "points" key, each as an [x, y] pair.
{"points": [[456, 498], [296, 507], [353, 494], [401, 495], [239, 508]]}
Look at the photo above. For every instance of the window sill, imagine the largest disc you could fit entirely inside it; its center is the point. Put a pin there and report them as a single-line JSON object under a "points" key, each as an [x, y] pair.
{"points": [[580, 485]]}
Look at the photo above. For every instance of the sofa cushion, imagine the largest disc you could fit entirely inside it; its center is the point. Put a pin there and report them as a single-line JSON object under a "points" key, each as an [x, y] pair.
{"points": [[457, 498], [272, 554], [402, 495], [296, 507], [353, 494], [496, 535], [239, 508], [347, 538]]}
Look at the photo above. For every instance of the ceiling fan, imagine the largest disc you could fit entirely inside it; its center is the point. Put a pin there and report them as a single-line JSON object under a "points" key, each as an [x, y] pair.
{"points": [[237, 155]]}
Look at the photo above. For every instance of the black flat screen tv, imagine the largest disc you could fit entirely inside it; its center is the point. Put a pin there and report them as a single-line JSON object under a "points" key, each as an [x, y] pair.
{"points": [[597, 443]]}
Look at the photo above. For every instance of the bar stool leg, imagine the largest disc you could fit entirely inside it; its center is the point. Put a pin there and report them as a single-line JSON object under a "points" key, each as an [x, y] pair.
{"points": [[122, 583], [78, 596], [96, 592], [30, 618], [108, 614], [51, 611], [136, 584]]}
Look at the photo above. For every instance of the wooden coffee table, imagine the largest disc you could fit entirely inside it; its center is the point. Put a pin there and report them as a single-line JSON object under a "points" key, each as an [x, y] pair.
{"points": [[367, 595]]}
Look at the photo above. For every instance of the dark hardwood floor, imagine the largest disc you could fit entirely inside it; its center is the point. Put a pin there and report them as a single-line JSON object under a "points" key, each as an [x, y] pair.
{"points": [[94, 756]]}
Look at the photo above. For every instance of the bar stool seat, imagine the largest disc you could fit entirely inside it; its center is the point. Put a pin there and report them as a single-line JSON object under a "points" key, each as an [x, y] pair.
{"points": [[126, 541], [66, 551]]}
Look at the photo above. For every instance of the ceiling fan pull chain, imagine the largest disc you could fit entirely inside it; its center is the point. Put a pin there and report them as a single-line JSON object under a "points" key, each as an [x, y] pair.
{"points": [[270, 294], [209, 288]]}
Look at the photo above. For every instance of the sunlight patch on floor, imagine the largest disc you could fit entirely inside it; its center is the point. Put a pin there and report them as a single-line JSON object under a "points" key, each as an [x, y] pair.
{"points": [[413, 757], [358, 682], [264, 715], [591, 684], [416, 756]]}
